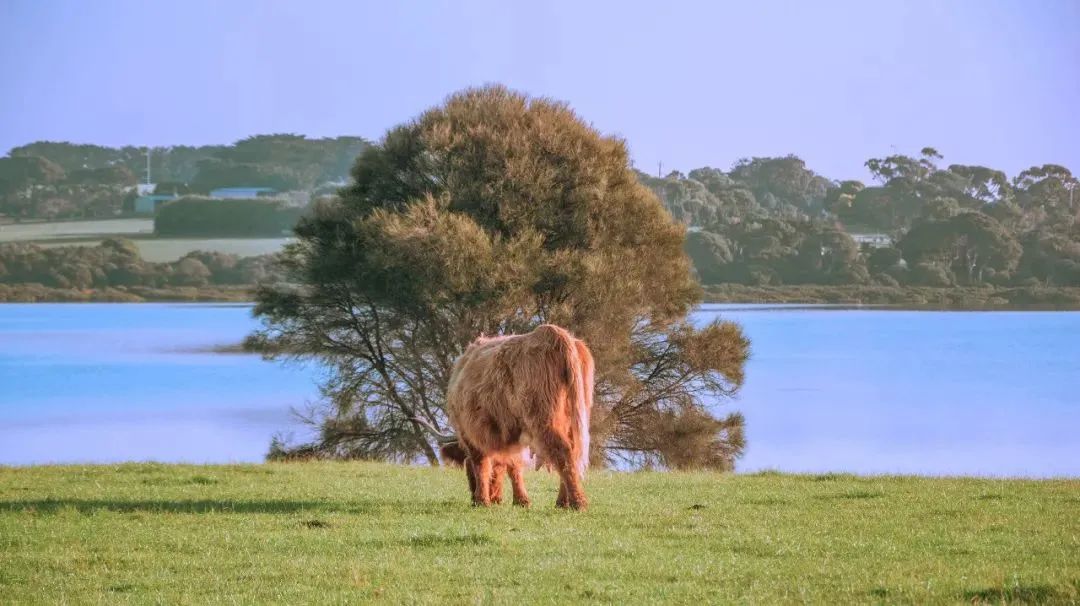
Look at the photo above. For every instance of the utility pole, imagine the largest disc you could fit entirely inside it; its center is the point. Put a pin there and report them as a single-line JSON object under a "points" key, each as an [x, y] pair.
{"points": [[148, 165], [660, 169]]}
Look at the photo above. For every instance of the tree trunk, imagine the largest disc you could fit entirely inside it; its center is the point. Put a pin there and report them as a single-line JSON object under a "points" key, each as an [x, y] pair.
{"points": [[429, 452]]}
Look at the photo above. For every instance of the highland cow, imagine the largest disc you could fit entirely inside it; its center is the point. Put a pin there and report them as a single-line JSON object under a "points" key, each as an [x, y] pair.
{"points": [[512, 392]]}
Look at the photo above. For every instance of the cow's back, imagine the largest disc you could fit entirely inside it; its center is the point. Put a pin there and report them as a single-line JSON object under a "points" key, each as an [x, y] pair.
{"points": [[504, 389], [479, 394]]}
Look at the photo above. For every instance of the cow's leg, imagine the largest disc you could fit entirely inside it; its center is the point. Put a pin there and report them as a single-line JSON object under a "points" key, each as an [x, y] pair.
{"points": [[482, 464], [562, 501], [498, 474], [556, 451], [470, 473], [478, 469], [517, 480]]}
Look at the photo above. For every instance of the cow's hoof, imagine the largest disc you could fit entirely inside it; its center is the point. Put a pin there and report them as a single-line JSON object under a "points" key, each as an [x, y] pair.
{"points": [[522, 502], [576, 505]]}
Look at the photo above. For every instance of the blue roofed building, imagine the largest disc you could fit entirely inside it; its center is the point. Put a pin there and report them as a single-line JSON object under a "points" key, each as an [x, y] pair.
{"points": [[243, 193]]}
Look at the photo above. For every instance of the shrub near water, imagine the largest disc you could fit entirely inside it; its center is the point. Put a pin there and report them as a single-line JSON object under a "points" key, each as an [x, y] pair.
{"points": [[225, 218], [489, 214]]}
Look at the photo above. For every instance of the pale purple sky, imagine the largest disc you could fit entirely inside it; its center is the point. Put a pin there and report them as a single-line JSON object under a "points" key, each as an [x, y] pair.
{"points": [[994, 82]]}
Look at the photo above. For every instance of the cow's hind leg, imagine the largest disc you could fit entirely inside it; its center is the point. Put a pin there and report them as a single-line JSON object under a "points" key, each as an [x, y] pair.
{"points": [[478, 468], [498, 475], [557, 451], [470, 473], [482, 470], [517, 480]]}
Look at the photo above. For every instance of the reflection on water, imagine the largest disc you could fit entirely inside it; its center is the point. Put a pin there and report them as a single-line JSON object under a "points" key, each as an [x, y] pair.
{"points": [[992, 393]]}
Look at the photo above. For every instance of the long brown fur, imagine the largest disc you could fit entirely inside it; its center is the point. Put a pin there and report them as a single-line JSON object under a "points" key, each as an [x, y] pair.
{"points": [[508, 393]]}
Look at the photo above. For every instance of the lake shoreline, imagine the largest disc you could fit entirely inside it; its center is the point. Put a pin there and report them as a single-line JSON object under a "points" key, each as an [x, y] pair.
{"points": [[877, 297], [1029, 298], [36, 293]]}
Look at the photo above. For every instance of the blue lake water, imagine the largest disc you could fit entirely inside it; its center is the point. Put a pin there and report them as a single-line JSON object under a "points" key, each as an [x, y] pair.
{"points": [[866, 391]]}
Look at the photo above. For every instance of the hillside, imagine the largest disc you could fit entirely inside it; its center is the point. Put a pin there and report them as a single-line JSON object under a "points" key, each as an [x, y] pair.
{"points": [[355, 532]]}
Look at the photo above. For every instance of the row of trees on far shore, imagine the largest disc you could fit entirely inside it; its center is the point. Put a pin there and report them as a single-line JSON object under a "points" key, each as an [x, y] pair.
{"points": [[765, 221], [116, 263], [772, 221]]}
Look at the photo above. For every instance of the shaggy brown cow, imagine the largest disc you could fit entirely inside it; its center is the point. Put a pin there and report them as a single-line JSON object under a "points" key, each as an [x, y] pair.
{"points": [[512, 392]]}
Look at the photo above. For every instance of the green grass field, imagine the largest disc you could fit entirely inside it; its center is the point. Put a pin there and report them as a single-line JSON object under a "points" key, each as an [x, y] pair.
{"points": [[75, 230], [325, 533], [140, 230]]}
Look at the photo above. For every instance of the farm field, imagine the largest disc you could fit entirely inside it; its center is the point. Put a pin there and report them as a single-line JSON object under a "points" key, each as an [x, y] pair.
{"points": [[171, 249], [366, 532], [90, 233], [75, 230]]}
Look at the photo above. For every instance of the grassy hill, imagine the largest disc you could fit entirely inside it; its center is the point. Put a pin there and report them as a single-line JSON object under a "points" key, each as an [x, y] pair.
{"points": [[326, 533]]}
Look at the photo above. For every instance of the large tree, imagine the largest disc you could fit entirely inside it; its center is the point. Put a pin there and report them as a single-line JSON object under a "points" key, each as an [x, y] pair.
{"points": [[1052, 258], [491, 214], [970, 244], [711, 254], [20, 177], [281, 161], [828, 255], [782, 182], [23, 172]]}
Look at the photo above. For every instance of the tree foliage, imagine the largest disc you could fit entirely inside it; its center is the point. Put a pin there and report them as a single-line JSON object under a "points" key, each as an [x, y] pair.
{"points": [[768, 221], [490, 214], [193, 216], [49, 180], [116, 263], [782, 182], [1052, 258], [282, 161], [967, 246], [18, 173]]}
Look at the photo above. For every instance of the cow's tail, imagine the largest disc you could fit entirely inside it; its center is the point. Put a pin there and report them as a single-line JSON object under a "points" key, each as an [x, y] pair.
{"points": [[588, 380], [579, 388]]}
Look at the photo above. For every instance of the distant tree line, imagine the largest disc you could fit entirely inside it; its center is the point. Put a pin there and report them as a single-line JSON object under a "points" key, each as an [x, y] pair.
{"points": [[192, 216], [116, 263], [765, 221], [283, 162], [57, 180], [772, 221], [35, 187]]}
